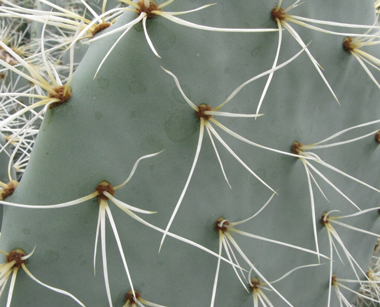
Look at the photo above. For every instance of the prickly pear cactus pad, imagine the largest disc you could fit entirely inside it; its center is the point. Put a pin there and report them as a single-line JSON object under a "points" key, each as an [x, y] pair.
{"points": [[207, 155]]}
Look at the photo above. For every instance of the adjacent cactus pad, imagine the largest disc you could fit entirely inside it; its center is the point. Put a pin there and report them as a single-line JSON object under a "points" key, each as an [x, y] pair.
{"points": [[198, 154]]}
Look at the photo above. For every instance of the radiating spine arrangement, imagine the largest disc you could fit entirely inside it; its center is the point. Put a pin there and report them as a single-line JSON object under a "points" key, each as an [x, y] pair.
{"points": [[202, 111]]}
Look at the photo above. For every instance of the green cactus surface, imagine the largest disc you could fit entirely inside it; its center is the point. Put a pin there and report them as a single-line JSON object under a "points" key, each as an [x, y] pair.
{"points": [[156, 95]]}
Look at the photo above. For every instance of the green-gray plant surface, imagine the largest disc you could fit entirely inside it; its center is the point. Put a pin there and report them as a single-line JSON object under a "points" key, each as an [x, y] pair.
{"points": [[198, 154]]}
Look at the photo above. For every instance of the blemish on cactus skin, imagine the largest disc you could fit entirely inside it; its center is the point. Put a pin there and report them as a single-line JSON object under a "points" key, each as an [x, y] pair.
{"points": [[221, 224], [201, 111], [147, 10], [98, 115], [333, 280], [50, 256], [296, 147], [26, 231], [104, 186], [103, 83], [16, 255], [136, 87], [62, 93], [180, 126]]}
